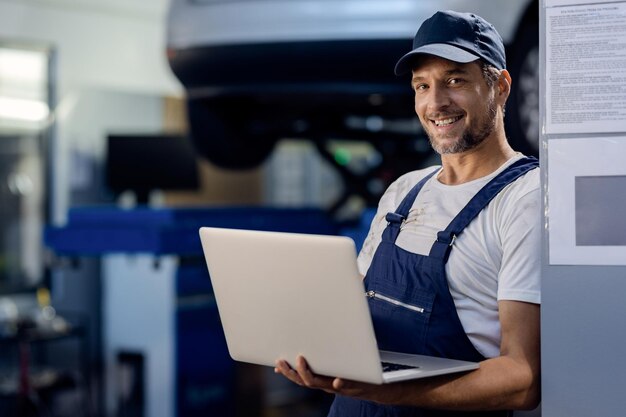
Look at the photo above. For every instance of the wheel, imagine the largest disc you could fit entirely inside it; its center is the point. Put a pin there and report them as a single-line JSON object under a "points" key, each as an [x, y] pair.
{"points": [[522, 114], [228, 135]]}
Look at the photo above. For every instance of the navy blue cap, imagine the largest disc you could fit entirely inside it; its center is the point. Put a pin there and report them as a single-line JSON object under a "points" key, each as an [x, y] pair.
{"points": [[458, 37]]}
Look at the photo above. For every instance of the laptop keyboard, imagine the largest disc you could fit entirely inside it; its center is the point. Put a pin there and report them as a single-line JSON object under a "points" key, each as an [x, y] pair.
{"points": [[388, 367]]}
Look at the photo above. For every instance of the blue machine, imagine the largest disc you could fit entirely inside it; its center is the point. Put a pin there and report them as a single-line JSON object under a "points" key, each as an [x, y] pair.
{"points": [[159, 314]]}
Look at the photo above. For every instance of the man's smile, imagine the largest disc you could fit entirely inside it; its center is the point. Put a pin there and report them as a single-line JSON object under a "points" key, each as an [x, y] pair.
{"points": [[447, 121]]}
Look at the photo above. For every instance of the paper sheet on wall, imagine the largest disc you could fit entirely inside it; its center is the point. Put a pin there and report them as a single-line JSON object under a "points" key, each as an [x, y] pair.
{"points": [[587, 201], [557, 3], [586, 68]]}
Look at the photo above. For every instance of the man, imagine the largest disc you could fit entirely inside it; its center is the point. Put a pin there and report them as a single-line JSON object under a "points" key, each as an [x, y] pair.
{"points": [[477, 286]]}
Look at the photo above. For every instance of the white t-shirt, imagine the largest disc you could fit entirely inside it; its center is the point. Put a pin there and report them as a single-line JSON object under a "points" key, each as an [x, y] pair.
{"points": [[497, 257]]}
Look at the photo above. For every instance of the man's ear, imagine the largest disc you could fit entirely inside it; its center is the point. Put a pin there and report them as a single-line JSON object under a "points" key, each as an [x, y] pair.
{"points": [[504, 84]]}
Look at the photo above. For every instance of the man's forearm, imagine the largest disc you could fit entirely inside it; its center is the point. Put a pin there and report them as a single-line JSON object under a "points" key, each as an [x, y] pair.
{"points": [[500, 384]]}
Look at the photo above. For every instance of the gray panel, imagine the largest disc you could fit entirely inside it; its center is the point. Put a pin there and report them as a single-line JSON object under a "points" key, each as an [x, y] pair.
{"points": [[583, 314], [599, 208], [583, 340]]}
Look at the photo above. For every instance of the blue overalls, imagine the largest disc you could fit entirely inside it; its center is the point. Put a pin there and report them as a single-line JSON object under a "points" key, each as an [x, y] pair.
{"points": [[426, 321]]}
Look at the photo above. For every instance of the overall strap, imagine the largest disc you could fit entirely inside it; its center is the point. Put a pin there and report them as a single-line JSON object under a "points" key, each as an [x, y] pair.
{"points": [[395, 219], [445, 239]]}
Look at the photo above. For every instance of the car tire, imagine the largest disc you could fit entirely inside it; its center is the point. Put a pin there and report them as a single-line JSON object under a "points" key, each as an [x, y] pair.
{"points": [[522, 114], [227, 136]]}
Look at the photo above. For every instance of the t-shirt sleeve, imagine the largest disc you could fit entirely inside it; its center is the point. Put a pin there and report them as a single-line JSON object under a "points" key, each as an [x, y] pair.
{"points": [[520, 271]]}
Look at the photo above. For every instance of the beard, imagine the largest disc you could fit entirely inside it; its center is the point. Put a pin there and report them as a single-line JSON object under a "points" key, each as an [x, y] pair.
{"points": [[471, 137]]}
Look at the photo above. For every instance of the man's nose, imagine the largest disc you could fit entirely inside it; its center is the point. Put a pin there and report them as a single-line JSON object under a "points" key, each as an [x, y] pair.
{"points": [[438, 98]]}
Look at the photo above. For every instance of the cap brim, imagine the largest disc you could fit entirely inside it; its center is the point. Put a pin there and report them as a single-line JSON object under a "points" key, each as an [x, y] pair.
{"points": [[441, 50]]}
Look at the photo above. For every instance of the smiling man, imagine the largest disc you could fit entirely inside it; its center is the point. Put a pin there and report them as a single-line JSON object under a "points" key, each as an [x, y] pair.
{"points": [[462, 238]]}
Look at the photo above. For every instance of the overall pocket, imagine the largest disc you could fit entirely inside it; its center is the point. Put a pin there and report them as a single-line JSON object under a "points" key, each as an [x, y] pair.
{"points": [[400, 316]]}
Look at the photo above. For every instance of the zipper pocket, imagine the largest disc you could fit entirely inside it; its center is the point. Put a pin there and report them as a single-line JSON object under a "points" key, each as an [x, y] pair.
{"points": [[374, 294]]}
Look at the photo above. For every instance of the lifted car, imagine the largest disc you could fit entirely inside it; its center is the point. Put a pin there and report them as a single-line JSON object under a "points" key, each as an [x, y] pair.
{"points": [[256, 71]]}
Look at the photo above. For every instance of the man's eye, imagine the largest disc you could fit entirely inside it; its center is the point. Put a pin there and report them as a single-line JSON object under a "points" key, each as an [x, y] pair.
{"points": [[420, 87], [455, 81]]}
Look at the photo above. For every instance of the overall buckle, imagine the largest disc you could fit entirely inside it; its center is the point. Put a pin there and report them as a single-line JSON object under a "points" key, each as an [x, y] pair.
{"points": [[394, 218]]}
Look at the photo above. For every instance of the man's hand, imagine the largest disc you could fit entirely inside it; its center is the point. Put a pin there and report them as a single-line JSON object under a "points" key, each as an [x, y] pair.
{"points": [[303, 376]]}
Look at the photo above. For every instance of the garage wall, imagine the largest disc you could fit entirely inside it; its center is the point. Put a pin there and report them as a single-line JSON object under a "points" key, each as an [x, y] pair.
{"points": [[111, 44]]}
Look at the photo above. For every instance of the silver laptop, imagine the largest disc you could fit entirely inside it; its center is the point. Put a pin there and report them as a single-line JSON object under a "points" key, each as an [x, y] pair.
{"points": [[281, 295]]}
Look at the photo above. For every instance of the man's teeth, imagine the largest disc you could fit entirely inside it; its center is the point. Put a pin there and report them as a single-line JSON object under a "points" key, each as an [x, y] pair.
{"points": [[445, 122]]}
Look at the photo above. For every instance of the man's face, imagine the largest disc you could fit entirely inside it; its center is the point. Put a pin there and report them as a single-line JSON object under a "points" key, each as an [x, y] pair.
{"points": [[454, 104]]}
